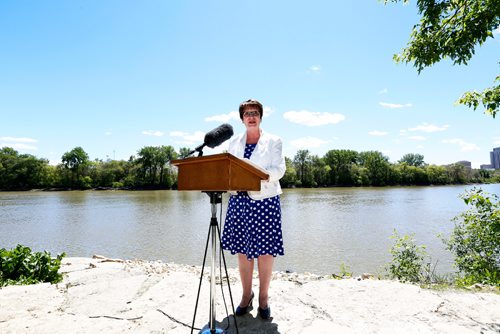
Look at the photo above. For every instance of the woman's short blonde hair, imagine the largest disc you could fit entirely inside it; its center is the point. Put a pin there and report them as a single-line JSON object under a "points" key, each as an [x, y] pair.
{"points": [[251, 103]]}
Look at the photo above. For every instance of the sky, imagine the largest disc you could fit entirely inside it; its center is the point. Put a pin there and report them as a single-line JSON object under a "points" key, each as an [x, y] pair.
{"points": [[115, 76]]}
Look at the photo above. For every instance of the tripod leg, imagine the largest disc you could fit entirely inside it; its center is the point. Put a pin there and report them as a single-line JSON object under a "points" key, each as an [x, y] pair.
{"points": [[228, 282], [201, 279]]}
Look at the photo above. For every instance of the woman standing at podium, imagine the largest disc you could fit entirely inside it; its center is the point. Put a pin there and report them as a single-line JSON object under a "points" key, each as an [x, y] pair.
{"points": [[253, 221]]}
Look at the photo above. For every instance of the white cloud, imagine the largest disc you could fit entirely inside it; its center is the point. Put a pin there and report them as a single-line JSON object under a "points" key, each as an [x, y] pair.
{"points": [[223, 117], [419, 138], [19, 146], [153, 133], [307, 142], [17, 140], [108, 133], [464, 146], [383, 91], [395, 105], [188, 138], [425, 127], [310, 118], [315, 68], [496, 31], [377, 133], [18, 143], [268, 111], [420, 146], [496, 140]]}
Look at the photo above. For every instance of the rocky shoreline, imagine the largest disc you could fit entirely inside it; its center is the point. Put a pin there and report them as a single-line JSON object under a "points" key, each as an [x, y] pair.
{"points": [[115, 296]]}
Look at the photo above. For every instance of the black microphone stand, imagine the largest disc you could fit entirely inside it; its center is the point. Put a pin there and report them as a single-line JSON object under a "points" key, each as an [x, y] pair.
{"points": [[199, 149], [213, 235]]}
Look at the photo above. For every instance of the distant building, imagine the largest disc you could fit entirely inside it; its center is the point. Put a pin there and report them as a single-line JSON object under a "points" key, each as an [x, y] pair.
{"points": [[495, 158], [466, 164], [486, 167]]}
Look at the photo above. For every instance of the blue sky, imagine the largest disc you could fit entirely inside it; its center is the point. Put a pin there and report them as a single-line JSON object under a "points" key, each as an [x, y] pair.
{"points": [[115, 76]]}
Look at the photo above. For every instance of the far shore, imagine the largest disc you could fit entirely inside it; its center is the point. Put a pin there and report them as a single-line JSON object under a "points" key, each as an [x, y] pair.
{"points": [[102, 295], [146, 188]]}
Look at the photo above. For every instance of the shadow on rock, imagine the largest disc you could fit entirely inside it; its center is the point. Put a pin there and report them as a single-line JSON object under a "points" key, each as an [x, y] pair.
{"points": [[250, 324]]}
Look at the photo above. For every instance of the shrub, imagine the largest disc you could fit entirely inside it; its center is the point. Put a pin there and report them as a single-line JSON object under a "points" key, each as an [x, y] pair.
{"points": [[22, 266], [475, 240], [407, 263]]}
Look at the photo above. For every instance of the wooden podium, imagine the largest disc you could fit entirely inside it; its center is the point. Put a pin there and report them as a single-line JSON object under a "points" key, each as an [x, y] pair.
{"points": [[215, 174], [218, 172]]}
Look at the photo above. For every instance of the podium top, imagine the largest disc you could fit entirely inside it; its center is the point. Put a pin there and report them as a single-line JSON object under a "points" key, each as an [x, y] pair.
{"points": [[219, 172]]}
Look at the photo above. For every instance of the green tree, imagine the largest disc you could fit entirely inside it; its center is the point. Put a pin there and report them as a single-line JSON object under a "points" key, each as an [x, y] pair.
{"points": [[437, 174], [320, 171], [452, 29], [165, 155], [413, 159], [378, 167], [21, 171], [184, 152], [77, 162], [154, 165], [110, 173], [147, 163], [303, 165], [411, 175], [341, 163], [290, 177], [360, 175], [457, 174]]}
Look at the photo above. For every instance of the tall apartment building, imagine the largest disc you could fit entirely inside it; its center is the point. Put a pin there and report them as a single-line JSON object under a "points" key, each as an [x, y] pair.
{"points": [[495, 158]]}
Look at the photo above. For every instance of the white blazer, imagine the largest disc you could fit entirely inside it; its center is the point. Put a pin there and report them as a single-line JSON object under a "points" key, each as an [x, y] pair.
{"points": [[268, 154]]}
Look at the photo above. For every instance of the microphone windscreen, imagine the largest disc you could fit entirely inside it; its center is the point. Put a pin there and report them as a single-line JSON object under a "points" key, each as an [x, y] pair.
{"points": [[218, 135]]}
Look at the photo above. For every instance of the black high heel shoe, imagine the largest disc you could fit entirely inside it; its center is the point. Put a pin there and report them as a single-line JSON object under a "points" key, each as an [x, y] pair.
{"points": [[244, 310], [264, 313]]}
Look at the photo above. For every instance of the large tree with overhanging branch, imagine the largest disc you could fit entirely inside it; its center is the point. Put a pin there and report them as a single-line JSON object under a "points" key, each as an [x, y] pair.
{"points": [[453, 29]]}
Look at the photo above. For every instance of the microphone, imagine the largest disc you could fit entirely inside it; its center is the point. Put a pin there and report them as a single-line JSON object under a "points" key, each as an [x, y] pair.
{"points": [[218, 135], [214, 138]]}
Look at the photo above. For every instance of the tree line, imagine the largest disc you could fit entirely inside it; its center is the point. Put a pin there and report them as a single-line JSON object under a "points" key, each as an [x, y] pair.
{"points": [[151, 169]]}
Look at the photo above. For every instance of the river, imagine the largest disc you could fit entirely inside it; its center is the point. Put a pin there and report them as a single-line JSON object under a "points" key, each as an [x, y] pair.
{"points": [[322, 228]]}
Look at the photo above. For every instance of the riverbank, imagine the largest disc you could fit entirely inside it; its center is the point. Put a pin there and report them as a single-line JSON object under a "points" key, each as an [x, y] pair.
{"points": [[114, 296]]}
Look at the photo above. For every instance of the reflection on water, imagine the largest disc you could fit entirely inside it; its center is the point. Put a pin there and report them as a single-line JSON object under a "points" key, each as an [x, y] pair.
{"points": [[322, 228]]}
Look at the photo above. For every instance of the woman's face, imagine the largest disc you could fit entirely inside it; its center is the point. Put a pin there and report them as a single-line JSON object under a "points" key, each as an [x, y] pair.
{"points": [[251, 118]]}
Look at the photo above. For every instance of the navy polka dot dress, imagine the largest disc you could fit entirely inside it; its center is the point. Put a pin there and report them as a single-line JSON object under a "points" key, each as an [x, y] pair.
{"points": [[253, 227]]}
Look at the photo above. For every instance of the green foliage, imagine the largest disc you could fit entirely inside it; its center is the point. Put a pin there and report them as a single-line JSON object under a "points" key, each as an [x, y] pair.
{"points": [[303, 165], [413, 159], [407, 263], [22, 266], [341, 163], [22, 171], [489, 98], [184, 152], [290, 177], [475, 240], [378, 167], [452, 29], [154, 168], [345, 270], [76, 162]]}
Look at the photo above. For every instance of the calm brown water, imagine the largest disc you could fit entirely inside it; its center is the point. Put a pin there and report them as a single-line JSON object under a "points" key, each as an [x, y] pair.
{"points": [[322, 228]]}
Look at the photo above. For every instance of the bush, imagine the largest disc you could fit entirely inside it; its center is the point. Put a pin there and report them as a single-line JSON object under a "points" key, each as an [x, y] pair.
{"points": [[475, 240], [117, 185], [407, 263], [20, 266]]}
